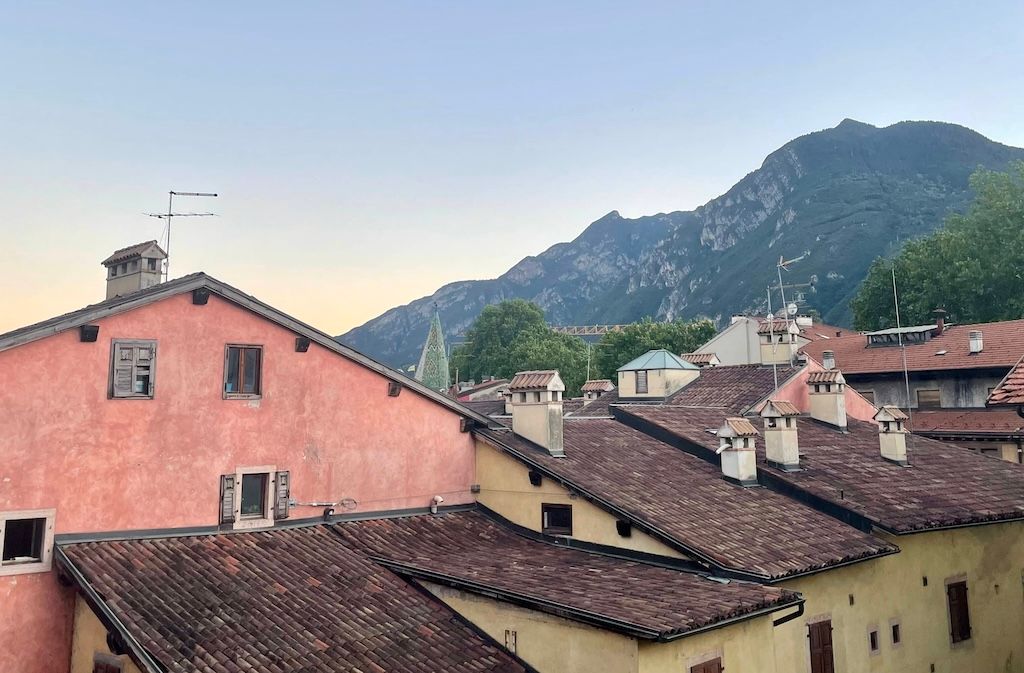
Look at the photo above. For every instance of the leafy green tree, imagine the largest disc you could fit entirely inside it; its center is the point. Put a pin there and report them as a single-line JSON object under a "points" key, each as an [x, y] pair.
{"points": [[617, 348], [512, 336], [974, 267]]}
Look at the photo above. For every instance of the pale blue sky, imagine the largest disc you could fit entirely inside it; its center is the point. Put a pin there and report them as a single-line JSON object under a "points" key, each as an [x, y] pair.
{"points": [[367, 153]]}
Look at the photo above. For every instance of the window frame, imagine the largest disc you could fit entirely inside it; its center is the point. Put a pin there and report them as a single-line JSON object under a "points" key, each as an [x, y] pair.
{"points": [[241, 372], [929, 405], [874, 640], [267, 518], [958, 639], [115, 345], [895, 633], [713, 665], [645, 389], [545, 507], [45, 562]]}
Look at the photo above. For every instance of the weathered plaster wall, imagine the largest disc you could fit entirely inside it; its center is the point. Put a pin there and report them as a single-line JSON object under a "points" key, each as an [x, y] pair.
{"points": [[956, 390], [505, 488], [797, 391], [892, 588], [548, 643], [745, 646], [90, 639], [135, 464]]}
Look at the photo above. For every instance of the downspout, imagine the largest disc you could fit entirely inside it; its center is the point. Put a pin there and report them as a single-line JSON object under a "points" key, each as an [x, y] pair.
{"points": [[791, 616]]}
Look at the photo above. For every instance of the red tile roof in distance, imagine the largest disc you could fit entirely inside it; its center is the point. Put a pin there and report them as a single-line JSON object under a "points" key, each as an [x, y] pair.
{"points": [[287, 601], [751, 530], [469, 547], [1011, 389], [972, 422], [1003, 347]]}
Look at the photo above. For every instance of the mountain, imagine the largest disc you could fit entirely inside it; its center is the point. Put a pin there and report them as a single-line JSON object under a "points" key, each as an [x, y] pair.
{"points": [[840, 197]]}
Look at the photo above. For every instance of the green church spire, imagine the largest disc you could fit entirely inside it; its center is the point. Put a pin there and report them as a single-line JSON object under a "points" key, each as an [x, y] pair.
{"points": [[433, 367]]}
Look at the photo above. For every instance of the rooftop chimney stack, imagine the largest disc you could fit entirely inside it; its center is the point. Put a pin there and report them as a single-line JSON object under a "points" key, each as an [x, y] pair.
{"points": [[977, 344], [134, 268], [940, 321], [828, 359], [537, 408], [736, 449], [595, 388], [892, 434], [828, 397], [506, 395], [780, 441]]}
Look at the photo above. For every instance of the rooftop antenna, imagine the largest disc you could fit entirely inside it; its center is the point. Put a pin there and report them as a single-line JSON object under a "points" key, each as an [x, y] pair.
{"points": [[903, 349], [771, 337], [170, 214]]}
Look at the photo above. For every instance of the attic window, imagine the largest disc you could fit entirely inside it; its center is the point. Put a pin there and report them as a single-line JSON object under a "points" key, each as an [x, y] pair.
{"points": [[132, 369], [556, 519], [26, 541], [929, 399]]}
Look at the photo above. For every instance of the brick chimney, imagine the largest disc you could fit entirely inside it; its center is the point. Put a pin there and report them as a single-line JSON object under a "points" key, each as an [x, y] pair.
{"points": [[828, 397], [780, 441], [736, 449], [537, 408], [892, 434], [134, 268]]}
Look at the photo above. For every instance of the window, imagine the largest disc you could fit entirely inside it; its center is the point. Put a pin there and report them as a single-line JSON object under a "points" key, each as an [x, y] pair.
{"points": [[511, 638], [254, 497], [132, 369], [151, 263], [242, 371], [106, 663], [928, 399], [124, 268], [820, 636], [134, 265], [959, 615], [873, 641], [869, 395], [641, 381], [710, 666], [26, 541], [895, 633], [556, 519]]}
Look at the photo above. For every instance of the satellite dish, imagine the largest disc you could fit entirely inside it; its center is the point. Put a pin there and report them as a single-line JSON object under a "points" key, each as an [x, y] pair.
{"points": [[770, 317], [792, 309]]}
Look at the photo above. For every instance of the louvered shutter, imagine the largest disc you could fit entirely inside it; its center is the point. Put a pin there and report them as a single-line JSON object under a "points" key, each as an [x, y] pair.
{"points": [[122, 378], [281, 495], [959, 617], [227, 498], [145, 362]]}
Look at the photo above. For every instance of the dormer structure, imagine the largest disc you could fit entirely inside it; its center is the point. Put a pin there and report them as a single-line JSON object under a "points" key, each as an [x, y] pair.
{"points": [[134, 268], [536, 400], [655, 375], [892, 434]]}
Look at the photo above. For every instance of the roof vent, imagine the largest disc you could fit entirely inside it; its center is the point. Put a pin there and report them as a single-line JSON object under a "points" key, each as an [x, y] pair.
{"points": [[828, 359], [976, 342]]}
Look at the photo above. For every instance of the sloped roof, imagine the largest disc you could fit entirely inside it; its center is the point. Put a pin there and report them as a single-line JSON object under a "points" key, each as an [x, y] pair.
{"points": [[133, 251], [682, 499], [733, 387], [1003, 347], [738, 427], [472, 552], [287, 600], [782, 407], [598, 385], [699, 358], [656, 359], [1011, 389], [968, 422], [155, 293], [547, 379], [826, 376]]}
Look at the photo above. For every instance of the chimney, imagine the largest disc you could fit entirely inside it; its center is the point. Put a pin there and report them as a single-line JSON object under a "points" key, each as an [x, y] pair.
{"points": [[828, 397], [940, 321], [828, 359], [780, 441], [778, 341], [134, 268], [595, 388], [804, 321], [736, 449], [977, 344], [537, 408], [892, 434], [736, 317], [507, 396]]}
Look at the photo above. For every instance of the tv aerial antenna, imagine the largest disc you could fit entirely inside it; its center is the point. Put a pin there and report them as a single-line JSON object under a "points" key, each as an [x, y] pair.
{"points": [[170, 215]]}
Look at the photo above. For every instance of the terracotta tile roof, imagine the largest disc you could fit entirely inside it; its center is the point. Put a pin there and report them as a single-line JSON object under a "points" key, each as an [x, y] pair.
{"points": [[287, 601], [598, 385], [486, 407], [890, 412], [774, 326], [131, 251], [468, 547], [480, 387], [699, 358], [734, 387], [783, 407], [1011, 389], [968, 422], [823, 332], [945, 485], [600, 406], [534, 380], [826, 376], [1003, 346], [740, 427], [685, 498]]}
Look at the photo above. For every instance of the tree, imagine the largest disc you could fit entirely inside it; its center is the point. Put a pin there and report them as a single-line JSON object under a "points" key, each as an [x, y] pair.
{"points": [[617, 348], [974, 267], [512, 336]]}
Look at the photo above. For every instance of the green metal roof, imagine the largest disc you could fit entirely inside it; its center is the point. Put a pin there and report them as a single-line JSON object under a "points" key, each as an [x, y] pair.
{"points": [[657, 359]]}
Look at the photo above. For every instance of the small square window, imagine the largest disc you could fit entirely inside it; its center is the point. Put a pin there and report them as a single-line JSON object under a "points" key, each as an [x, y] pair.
{"points": [[254, 496], [26, 541], [243, 371], [132, 369], [556, 519]]}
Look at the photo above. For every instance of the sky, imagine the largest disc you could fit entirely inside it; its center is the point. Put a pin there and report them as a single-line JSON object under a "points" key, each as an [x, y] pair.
{"points": [[367, 153]]}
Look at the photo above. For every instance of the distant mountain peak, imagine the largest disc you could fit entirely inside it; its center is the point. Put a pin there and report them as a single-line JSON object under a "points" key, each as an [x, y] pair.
{"points": [[854, 124]]}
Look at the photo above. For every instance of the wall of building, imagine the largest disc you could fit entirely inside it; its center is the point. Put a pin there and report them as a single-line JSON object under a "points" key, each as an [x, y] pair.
{"points": [[745, 646], [505, 488], [962, 390], [797, 391], [548, 643], [892, 589], [125, 464], [90, 639], [737, 344]]}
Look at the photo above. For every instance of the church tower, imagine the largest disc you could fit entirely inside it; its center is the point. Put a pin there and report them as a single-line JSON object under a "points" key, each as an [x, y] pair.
{"points": [[433, 368]]}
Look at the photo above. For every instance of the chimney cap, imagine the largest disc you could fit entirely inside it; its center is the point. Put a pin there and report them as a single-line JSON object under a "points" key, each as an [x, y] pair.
{"points": [[890, 413], [547, 379], [134, 251], [737, 427], [779, 409], [598, 385], [828, 376]]}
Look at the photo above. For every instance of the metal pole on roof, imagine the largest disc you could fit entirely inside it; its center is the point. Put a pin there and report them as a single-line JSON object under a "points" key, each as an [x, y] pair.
{"points": [[170, 214], [771, 337], [903, 350]]}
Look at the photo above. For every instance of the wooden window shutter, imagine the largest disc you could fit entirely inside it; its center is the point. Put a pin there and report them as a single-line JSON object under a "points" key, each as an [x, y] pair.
{"points": [[820, 635], [227, 498], [281, 495], [959, 617], [123, 375]]}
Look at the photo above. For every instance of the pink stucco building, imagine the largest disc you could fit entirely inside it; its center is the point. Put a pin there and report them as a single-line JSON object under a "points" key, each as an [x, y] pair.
{"points": [[192, 405]]}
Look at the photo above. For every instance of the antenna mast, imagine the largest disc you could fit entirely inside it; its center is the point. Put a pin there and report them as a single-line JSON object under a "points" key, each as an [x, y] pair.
{"points": [[903, 349], [170, 214]]}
